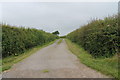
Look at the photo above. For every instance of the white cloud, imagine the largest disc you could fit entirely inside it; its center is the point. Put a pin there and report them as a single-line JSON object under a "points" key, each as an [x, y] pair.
{"points": [[64, 17]]}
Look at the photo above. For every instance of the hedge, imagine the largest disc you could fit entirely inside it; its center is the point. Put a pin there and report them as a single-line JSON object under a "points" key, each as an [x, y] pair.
{"points": [[16, 40], [99, 37]]}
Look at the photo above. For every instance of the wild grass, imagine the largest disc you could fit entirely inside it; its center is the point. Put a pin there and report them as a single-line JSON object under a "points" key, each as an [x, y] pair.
{"points": [[59, 41], [45, 71], [108, 66], [8, 62]]}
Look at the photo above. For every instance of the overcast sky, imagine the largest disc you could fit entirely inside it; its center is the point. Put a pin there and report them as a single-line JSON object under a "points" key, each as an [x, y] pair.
{"points": [[61, 16]]}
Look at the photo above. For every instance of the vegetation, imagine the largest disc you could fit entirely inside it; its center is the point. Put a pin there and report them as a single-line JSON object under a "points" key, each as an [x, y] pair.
{"points": [[9, 61], [97, 45], [16, 41], [108, 66], [0, 42], [56, 33], [62, 36], [45, 71], [99, 37], [59, 41]]}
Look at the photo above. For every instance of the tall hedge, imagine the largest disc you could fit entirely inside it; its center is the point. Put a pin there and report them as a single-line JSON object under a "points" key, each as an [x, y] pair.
{"points": [[17, 40], [99, 37]]}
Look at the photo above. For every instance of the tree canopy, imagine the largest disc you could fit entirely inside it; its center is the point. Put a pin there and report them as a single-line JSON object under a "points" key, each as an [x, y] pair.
{"points": [[56, 33]]}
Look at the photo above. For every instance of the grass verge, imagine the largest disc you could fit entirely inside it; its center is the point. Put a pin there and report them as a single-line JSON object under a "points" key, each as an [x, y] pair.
{"points": [[108, 66], [59, 41], [8, 62]]}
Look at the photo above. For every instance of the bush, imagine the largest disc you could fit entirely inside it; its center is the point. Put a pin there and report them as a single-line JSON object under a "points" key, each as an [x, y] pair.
{"points": [[17, 40], [99, 37]]}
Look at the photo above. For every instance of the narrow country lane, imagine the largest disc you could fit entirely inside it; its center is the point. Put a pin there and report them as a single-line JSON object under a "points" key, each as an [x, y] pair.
{"points": [[54, 61]]}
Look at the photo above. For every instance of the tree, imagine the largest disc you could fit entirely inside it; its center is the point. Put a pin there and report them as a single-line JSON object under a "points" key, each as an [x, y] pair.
{"points": [[56, 33]]}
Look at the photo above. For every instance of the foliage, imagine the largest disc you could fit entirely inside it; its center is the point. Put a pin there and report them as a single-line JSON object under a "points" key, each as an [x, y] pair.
{"points": [[62, 36], [56, 33], [99, 37], [17, 40], [108, 66], [9, 61]]}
